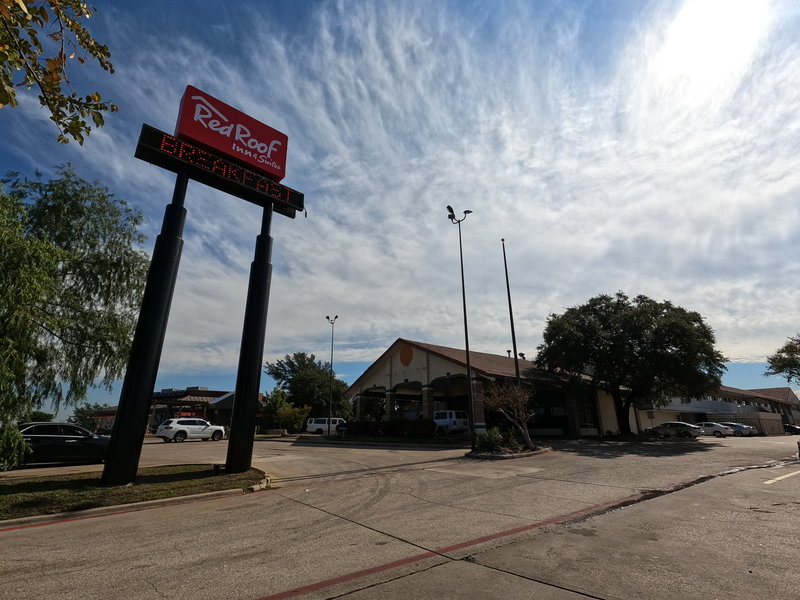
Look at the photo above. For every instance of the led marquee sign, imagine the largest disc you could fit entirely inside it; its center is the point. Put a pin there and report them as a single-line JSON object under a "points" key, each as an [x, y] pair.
{"points": [[169, 152]]}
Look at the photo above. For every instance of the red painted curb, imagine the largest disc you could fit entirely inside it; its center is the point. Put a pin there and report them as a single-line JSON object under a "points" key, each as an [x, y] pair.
{"points": [[326, 583]]}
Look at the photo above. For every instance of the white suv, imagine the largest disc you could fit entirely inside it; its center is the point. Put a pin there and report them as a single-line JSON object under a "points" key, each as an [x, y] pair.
{"points": [[177, 430]]}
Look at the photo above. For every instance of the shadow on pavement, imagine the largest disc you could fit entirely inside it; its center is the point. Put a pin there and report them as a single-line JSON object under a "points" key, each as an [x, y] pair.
{"points": [[359, 471], [638, 447]]}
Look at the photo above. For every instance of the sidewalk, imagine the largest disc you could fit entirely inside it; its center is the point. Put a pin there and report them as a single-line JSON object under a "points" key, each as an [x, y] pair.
{"points": [[731, 537]]}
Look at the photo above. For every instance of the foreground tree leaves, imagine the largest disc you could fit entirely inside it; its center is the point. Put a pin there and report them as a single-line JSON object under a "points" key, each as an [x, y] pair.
{"points": [[29, 31]]}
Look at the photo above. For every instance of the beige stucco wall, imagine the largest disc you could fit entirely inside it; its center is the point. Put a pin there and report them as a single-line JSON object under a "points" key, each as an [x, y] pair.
{"points": [[416, 370], [607, 414], [659, 417], [441, 367], [423, 367]]}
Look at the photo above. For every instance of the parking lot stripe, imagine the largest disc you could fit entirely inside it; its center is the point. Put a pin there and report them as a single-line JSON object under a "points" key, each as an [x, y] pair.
{"points": [[771, 481]]}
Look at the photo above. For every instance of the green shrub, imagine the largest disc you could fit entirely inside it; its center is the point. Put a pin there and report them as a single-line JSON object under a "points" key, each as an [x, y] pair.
{"points": [[12, 448], [420, 428], [363, 428], [491, 441], [512, 443], [394, 428]]}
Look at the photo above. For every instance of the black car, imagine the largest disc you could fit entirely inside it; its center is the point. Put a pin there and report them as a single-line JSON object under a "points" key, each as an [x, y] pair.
{"points": [[62, 442], [793, 429]]}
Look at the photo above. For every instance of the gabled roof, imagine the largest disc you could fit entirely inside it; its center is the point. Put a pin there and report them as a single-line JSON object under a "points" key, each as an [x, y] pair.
{"points": [[482, 363], [497, 365], [784, 394]]}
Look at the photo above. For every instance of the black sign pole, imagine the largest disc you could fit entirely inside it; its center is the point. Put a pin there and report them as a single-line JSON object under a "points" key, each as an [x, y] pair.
{"points": [[130, 423], [248, 376]]}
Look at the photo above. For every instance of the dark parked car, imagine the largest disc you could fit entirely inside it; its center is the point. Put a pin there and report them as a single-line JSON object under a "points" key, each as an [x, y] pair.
{"points": [[62, 442], [793, 429]]}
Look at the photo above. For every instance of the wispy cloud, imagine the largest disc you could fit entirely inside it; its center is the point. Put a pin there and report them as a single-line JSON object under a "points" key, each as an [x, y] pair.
{"points": [[651, 151]]}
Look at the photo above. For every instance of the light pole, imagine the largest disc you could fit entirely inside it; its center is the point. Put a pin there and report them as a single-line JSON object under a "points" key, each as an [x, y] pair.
{"points": [[510, 312], [330, 394], [471, 409]]}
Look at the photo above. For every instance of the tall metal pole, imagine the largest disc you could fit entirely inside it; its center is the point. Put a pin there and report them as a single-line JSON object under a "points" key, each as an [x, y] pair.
{"points": [[470, 397], [330, 394], [251, 354], [130, 422], [511, 313]]}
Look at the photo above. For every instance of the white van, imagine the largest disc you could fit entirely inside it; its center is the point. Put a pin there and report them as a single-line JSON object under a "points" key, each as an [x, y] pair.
{"points": [[321, 425], [451, 420]]}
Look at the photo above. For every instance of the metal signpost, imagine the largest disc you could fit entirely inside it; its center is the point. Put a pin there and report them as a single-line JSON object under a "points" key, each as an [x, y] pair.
{"points": [[224, 148]]}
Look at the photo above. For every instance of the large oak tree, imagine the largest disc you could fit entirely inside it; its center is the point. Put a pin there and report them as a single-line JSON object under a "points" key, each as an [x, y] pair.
{"points": [[786, 360], [642, 351], [309, 382]]}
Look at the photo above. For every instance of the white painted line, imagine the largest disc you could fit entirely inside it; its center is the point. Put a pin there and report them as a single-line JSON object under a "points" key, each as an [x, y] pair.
{"points": [[781, 477]]}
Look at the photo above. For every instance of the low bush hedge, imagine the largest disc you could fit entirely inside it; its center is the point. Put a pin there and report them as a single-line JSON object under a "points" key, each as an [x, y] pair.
{"points": [[418, 428]]}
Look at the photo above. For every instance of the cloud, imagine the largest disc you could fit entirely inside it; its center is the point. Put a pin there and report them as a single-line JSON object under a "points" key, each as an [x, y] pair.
{"points": [[649, 149]]}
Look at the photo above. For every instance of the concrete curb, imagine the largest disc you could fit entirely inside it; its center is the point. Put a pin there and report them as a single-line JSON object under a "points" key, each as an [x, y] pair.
{"points": [[322, 440], [489, 456], [132, 507], [261, 485]]}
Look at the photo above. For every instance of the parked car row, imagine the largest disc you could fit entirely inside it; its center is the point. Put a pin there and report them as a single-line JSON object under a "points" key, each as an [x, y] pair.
{"points": [[67, 442], [690, 430], [722, 429]]}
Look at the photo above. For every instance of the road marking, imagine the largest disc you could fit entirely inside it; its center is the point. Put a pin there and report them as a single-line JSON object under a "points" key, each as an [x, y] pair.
{"points": [[771, 481], [443, 551]]}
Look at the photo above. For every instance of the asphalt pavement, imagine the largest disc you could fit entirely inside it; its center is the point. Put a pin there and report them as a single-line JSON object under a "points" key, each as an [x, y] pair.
{"points": [[700, 519], [728, 537]]}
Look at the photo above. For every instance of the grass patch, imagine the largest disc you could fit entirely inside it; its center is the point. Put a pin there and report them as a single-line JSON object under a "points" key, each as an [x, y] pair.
{"points": [[79, 491]]}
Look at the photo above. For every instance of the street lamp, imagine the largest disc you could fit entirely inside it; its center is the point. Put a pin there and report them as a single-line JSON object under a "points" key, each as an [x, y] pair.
{"points": [[510, 312], [471, 409], [330, 395]]}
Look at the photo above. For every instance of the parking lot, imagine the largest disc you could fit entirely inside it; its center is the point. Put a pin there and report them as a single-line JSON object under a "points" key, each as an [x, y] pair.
{"points": [[587, 519]]}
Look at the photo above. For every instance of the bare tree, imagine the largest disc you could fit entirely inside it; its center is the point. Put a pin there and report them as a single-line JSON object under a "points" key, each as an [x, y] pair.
{"points": [[513, 401]]}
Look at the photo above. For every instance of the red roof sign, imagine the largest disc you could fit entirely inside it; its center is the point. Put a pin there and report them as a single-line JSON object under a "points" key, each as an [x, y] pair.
{"points": [[211, 122]]}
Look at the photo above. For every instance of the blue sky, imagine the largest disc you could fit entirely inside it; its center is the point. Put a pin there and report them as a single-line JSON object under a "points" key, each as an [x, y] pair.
{"points": [[648, 147]]}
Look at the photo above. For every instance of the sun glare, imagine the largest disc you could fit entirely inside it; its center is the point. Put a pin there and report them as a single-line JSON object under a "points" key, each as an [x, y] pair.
{"points": [[711, 45]]}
